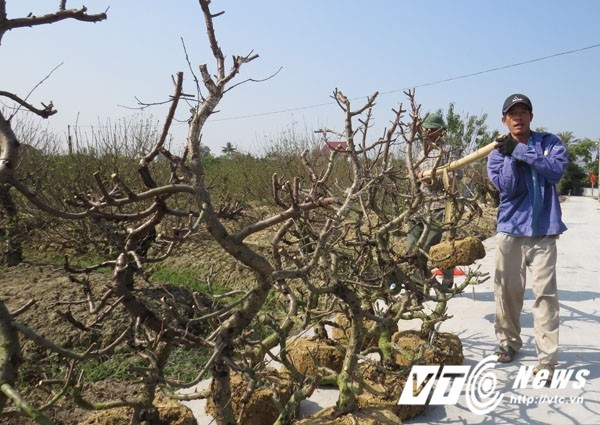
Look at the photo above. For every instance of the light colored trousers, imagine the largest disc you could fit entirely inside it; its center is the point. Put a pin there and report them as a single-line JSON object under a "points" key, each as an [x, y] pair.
{"points": [[514, 256]]}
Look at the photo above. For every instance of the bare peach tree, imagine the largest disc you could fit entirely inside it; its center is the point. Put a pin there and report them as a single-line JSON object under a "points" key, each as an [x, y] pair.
{"points": [[336, 248], [357, 244], [8, 142], [143, 208], [9, 148]]}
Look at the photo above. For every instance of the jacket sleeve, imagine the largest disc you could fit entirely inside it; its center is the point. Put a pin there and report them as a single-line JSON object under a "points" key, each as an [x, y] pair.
{"points": [[551, 162], [502, 172]]}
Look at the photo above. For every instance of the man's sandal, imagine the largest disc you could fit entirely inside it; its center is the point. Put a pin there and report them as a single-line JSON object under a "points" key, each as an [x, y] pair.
{"points": [[505, 354], [544, 366]]}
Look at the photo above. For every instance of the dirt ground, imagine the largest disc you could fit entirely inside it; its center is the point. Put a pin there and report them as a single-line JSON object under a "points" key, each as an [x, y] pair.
{"points": [[50, 289], [51, 296]]}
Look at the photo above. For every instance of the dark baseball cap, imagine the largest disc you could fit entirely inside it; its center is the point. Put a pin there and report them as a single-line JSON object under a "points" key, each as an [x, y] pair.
{"points": [[434, 121], [514, 99]]}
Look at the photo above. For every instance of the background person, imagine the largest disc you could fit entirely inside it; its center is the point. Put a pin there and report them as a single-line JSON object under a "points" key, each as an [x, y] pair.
{"points": [[437, 152], [525, 168]]}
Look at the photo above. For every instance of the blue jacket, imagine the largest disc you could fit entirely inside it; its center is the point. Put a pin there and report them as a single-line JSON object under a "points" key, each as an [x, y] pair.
{"points": [[529, 204]]}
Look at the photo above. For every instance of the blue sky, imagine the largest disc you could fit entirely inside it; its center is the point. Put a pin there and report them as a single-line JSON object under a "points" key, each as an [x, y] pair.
{"points": [[357, 46]]}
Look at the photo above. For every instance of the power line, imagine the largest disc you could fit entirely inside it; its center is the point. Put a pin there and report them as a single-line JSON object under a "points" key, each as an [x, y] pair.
{"points": [[445, 80], [499, 68]]}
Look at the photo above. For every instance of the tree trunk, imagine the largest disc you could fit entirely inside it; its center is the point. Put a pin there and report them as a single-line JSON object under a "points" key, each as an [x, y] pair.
{"points": [[9, 149], [346, 379], [9, 351], [221, 393], [346, 383], [13, 255]]}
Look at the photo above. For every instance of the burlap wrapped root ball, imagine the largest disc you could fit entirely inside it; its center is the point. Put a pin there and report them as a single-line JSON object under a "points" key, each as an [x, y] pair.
{"points": [[170, 412], [341, 332], [446, 349], [413, 349], [374, 415], [463, 252], [308, 354], [258, 407], [384, 390]]}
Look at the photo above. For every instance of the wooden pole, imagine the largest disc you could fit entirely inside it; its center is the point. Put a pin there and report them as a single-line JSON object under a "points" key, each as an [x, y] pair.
{"points": [[469, 159]]}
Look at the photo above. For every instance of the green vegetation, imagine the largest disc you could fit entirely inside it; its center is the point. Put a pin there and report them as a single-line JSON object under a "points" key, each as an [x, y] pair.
{"points": [[184, 277], [583, 159], [183, 365], [117, 367]]}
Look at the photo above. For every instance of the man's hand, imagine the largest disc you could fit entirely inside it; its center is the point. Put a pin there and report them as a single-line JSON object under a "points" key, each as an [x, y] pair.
{"points": [[506, 145], [421, 177]]}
